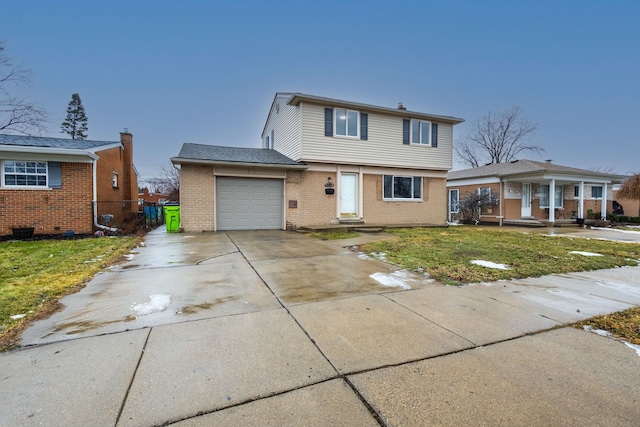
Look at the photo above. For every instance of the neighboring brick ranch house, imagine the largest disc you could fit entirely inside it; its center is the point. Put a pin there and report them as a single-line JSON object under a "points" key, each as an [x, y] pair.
{"points": [[145, 196], [323, 161], [523, 190], [55, 185]]}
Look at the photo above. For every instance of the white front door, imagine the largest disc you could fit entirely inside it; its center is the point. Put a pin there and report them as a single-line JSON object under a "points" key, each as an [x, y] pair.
{"points": [[526, 200], [349, 195]]}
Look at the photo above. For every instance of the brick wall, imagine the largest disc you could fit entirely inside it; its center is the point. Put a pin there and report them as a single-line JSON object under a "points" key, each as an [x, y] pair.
{"points": [[197, 188], [120, 201], [52, 211], [314, 206], [432, 210]]}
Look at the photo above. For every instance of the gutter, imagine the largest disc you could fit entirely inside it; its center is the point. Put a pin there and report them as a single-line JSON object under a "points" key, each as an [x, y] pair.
{"points": [[94, 202]]}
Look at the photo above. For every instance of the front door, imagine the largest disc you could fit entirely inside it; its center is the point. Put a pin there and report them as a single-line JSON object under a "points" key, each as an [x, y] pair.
{"points": [[526, 201], [349, 195]]}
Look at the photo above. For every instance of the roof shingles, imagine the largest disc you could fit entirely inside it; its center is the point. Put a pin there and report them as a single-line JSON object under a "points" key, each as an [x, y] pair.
{"points": [[216, 153], [46, 142]]}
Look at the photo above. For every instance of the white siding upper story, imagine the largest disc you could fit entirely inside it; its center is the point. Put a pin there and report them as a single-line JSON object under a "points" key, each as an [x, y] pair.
{"points": [[298, 131], [284, 126], [383, 147]]}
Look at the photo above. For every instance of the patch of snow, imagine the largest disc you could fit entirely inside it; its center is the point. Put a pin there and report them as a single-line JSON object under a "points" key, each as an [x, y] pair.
{"points": [[156, 304], [585, 253], [600, 332], [397, 279], [17, 316], [129, 256], [489, 264], [362, 255], [382, 256]]}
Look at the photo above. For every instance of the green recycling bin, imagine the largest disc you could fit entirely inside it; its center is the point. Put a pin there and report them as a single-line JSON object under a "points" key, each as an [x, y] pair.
{"points": [[172, 217]]}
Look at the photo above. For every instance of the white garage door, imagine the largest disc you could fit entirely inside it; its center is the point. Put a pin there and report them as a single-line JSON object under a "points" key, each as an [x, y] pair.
{"points": [[249, 203]]}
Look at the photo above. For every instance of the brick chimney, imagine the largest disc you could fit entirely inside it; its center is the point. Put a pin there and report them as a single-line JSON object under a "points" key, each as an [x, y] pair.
{"points": [[401, 107], [130, 179], [548, 161]]}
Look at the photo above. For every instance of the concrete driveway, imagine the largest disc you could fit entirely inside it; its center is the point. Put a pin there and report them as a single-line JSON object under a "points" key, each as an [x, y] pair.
{"points": [[255, 328]]}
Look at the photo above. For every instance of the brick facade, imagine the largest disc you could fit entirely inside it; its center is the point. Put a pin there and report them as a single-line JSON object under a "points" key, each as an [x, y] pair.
{"points": [[52, 211], [306, 202], [120, 201], [56, 210]]}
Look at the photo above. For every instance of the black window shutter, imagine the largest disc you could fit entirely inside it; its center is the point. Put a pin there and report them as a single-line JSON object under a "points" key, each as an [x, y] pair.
{"points": [[55, 174], [272, 141], [364, 124], [405, 130], [434, 134], [328, 122]]}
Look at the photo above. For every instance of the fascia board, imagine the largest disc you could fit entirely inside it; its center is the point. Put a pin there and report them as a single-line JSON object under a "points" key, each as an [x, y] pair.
{"points": [[46, 153], [473, 181]]}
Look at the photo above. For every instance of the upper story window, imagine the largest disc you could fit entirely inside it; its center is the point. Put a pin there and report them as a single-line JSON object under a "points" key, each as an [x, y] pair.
{"points": [[267, 141], [347, 122], [596, 192], [114, 180], [402, 187], [420, 132], [24, 173]]}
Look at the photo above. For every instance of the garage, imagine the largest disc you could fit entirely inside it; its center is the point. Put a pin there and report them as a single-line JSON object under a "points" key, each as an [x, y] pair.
{"points": [[249, 203]]}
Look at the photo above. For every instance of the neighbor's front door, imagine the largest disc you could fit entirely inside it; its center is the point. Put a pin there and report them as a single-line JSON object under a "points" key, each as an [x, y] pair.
{"points": [[526, 200], [348, 195]]}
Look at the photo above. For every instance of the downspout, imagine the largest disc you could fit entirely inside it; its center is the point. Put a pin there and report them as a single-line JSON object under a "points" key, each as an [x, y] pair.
{"points": [[94, 202]]}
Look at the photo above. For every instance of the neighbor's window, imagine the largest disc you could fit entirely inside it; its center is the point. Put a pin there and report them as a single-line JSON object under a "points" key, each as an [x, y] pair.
{"points": [[347, 122], [596, 192], [114, 180], [24, 174], [402, 187], [544, 196], [420, 132]]}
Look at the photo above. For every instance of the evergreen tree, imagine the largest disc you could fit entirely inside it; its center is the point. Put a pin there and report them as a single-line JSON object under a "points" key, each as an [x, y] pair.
{"points": [[76, 122]]}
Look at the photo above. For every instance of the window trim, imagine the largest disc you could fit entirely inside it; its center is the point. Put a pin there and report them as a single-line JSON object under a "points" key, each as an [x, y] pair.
{"points": [[601, 187], [3, 174], [335, 123], [420, 123], [403, 199], [457, 205]]}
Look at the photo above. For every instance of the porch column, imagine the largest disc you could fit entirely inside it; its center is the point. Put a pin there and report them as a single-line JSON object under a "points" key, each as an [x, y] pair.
{"points": [[603, 211], [581, 201], [552, 201]]}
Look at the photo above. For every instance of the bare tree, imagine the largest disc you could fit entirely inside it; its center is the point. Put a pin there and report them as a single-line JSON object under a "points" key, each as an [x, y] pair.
{"points": [[17, 114], [168, 184], [472, 203], [630, 189], [497, 137]]}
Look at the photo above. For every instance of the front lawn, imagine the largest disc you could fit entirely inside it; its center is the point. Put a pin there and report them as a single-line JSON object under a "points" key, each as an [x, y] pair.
{"points": [[34, 274], [446, 253]]}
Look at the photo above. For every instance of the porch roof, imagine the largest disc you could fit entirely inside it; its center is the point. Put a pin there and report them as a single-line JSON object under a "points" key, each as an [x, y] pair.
{"points": [[529, 170]]}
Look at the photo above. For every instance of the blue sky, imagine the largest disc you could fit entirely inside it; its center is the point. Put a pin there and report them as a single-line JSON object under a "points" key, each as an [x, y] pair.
{"points": [[206, 71]]}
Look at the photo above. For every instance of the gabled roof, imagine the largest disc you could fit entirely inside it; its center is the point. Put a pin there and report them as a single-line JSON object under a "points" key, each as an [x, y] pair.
{"points": [[57, 143], [215, 154], [524, 167], [297, 98]]}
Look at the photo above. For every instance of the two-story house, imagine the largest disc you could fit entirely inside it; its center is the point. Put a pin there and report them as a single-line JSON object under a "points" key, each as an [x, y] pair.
{"points": [[54, 185], [323, 161]]}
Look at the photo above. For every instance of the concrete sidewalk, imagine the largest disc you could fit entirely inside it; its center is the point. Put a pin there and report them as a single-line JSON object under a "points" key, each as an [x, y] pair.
{"points": [[279, 329]]}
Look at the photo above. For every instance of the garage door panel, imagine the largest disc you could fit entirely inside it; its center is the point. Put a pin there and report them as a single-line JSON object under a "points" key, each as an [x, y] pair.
{"points": [[249, 203]]}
